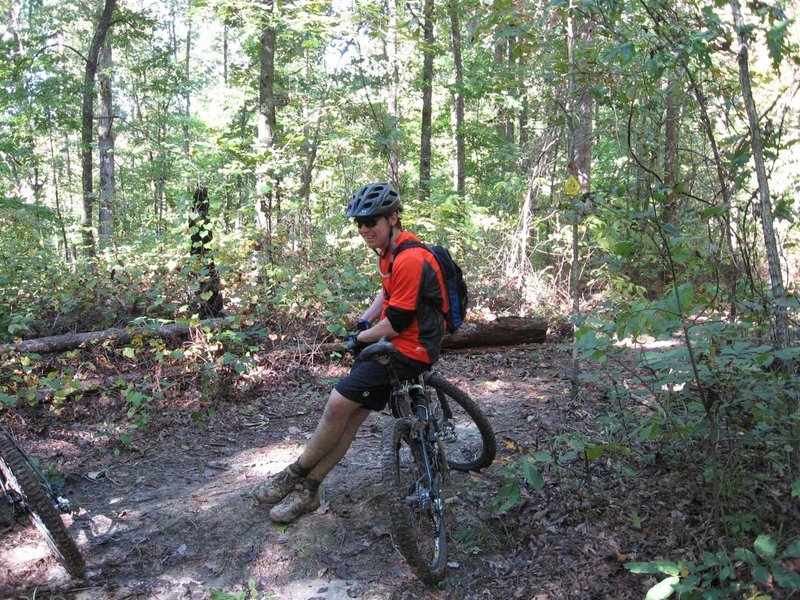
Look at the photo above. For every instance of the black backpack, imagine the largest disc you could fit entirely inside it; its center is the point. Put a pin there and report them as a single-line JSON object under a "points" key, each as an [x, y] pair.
{"points": [[457, 294]]}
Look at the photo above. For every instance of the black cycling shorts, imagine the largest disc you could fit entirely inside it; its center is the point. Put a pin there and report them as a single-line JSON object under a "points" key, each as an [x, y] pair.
{"points": [[368, 382]]}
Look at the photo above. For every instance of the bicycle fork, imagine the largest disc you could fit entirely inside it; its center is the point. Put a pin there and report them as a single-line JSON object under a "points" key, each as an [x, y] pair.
{"points": [[426, 482]]}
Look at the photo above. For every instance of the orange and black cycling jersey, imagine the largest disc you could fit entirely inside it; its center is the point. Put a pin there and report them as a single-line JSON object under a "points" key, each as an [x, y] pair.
{"points": [[413, 287]]}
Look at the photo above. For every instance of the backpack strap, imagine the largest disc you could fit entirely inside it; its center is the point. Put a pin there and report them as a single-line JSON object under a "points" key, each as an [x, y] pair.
{"points": [[405, 246]]}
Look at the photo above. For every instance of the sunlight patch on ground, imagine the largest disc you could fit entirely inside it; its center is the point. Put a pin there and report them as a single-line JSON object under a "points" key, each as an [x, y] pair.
{"points": [[25, 553], [335, 589], [267, 460]]}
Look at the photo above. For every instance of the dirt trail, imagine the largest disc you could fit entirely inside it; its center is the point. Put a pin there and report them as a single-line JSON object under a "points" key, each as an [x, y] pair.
{"points": [[171, 517]]}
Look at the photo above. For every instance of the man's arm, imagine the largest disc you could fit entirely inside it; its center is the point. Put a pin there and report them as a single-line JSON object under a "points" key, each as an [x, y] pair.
{"points": [[374, 310], [377, 331], [381, 328]]}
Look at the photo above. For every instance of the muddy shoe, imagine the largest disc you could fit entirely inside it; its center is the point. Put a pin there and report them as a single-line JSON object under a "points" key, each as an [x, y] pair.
{"points": [[277, 487], [301, 501]]}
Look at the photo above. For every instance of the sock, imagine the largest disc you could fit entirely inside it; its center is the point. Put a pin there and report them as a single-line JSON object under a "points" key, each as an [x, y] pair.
{"points": [[298, 471], [311, 485]]}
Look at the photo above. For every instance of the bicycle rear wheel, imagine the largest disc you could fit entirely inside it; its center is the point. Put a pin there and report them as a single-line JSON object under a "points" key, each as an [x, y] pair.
{"points": [[469, 439], [416, 507], [22, 480]]}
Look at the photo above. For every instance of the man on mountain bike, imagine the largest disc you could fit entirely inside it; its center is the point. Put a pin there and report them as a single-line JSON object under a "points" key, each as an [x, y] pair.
{"points": [[409, 310]]}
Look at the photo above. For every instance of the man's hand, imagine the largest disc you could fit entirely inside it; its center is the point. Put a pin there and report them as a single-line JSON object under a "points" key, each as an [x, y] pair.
{"points": [[363, 325], [353, 345]]}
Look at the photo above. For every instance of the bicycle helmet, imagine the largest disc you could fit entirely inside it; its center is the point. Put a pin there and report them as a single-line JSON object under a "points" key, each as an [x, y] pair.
{"points": [[374, 200]]}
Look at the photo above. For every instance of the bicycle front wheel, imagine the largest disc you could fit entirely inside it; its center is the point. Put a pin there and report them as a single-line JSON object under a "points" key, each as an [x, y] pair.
{"points": [[23, 481], [416, 504], [468, 436]]}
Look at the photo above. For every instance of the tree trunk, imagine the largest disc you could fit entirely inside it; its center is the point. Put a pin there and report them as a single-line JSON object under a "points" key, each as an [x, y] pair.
{"points": [[427, 102], [187, 88], [779, 300], [266, 118], [773, 258], [105, 146], [392, 51], [57, 186], [671, 159], [459, 175], [87, 125], [225, 52], [210, 302], [579, 117]]}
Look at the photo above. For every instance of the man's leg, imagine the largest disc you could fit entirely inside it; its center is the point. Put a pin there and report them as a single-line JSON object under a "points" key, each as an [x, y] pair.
{"points": [[332, 458], [333, 424], [329, 443]]}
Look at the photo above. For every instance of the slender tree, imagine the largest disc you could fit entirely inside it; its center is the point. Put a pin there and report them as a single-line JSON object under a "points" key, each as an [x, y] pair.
{"points": [[392, 52], [459, 173], [266, 116], [87, 124], [579, 118], [773, 258], [427, 101], [105, 146]]}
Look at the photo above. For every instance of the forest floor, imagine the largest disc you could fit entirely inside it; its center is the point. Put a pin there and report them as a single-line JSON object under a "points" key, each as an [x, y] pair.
{"points": [[171, 515]]}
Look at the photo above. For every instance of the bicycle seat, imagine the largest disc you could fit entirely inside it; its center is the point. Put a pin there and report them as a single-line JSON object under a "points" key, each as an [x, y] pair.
{"points": [[380, 348]]}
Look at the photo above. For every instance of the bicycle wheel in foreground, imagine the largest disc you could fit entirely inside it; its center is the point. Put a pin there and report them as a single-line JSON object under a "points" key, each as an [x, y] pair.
{"points": [[469, 439], [22, 480], [416, 508]]}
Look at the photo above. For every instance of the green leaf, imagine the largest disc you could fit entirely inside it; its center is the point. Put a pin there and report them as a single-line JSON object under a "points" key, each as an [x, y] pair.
{"points": [[793, 551], [509, 495], [654, 566], [786, 579], [765, 546], [593, 452], [746, 555], [776, 41], [6, 400], [649, 432], [787, 353], [129, 353], [663, 589], [624, 52], [532, 475], [624, 249], [760, 573]]}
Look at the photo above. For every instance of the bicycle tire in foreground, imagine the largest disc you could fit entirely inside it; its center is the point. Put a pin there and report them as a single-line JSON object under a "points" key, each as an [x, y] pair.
{"points": [[416, 509], [21, 479]]}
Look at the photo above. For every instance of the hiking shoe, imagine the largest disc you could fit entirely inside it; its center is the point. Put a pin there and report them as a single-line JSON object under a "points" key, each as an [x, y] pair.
{"points": [[301, 501], [277, 487]]}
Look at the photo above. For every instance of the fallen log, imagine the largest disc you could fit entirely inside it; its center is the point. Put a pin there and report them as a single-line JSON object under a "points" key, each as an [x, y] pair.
{"points": [[504, 331], [70, 341]]}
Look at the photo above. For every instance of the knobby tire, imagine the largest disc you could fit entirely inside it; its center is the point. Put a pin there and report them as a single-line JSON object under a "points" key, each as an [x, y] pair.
{"points": [[477, 445], [41, 510], [418, 531]]}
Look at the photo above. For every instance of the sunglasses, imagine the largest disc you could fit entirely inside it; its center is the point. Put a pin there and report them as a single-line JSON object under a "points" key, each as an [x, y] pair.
{"points": [[367, 222]]}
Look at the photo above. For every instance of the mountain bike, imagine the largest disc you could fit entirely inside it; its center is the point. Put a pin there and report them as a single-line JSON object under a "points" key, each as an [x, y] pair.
{"points": [[437, 427], [30, 494]]}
